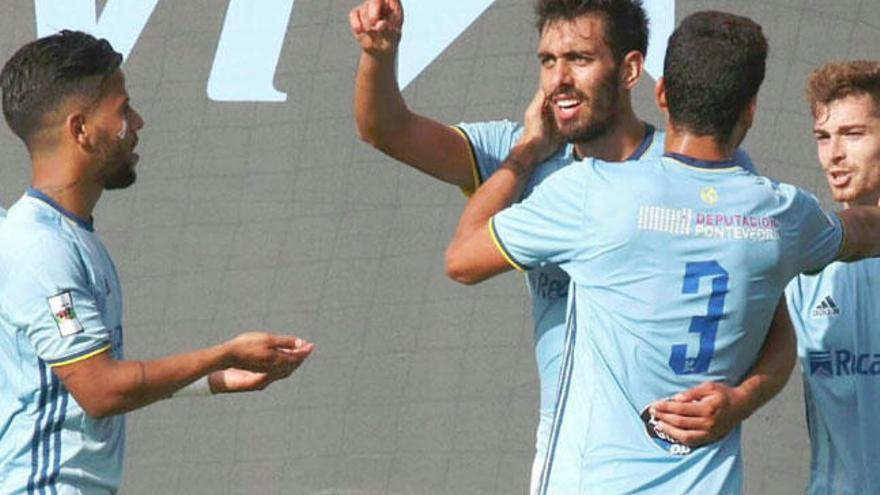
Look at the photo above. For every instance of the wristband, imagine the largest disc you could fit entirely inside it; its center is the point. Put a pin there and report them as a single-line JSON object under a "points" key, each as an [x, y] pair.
{"points": [[198, 388]]}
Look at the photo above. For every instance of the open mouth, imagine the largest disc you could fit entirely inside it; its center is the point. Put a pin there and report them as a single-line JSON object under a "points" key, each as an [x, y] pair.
{"points": [[839, 178], [567, 107]]}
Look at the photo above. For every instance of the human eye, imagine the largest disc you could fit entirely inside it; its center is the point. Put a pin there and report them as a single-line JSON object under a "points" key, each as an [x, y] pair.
{"points": [[580, 58]]}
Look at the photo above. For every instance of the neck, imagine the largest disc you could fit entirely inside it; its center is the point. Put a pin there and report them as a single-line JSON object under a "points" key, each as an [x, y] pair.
{"points": [[619, 143], [66, 185], [700, 147]]}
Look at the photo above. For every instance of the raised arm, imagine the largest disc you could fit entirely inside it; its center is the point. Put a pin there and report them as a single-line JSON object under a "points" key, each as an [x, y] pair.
{"points": [[104, 386], [382, 117], [709, 411], [474, 254]]}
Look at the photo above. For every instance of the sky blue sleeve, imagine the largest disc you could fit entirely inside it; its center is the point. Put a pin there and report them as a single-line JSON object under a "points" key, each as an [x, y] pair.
{"points": [[821, 233], [490, 143], [546, 227], [49, 295]]}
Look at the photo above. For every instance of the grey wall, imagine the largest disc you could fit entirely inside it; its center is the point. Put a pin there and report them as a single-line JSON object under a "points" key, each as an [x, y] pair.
{"points": [[274, 216]]}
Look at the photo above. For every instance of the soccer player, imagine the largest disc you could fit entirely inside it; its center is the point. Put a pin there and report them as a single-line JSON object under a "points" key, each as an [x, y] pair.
{"points": [[64, 384], [835, 311], [677, 264], [592, 54]]}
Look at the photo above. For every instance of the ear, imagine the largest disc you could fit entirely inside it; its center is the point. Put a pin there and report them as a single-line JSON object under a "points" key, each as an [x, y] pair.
{"points": [[751, 110], [631, 69], [660, 95], [76, 131]]}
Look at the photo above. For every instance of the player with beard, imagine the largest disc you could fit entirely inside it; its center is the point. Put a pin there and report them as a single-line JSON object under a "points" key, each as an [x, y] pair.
{"points": [[592, 54], [677, 265], [64, 384]]}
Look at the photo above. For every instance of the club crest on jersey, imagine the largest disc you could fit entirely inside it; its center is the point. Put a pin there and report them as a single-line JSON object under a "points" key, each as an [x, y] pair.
{"points": [[709, 195], [64, 315], [660, 439]]}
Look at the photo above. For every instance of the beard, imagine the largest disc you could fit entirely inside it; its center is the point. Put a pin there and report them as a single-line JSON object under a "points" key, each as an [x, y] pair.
{"points": [[600, 116], [122, 176], [119, 162]]}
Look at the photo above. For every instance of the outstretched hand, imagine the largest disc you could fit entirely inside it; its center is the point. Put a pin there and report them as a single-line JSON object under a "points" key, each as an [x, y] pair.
{"points": [[259, 359], [264, 352], [702, 414], [377, 25]]}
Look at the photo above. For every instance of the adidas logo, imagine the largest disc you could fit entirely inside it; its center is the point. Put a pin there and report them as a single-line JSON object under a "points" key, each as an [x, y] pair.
{"points": [[826, 308]]}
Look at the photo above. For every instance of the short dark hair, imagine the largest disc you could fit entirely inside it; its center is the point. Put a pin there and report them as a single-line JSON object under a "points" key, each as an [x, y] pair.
{"points": [[44, 72], [714, 66], [838, 80], [626, 23]]}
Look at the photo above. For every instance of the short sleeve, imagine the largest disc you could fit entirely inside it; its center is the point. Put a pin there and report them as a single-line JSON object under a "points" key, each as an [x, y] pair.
{"points": [[820, 233], [490, 143], [546, 227], [50, 296]]}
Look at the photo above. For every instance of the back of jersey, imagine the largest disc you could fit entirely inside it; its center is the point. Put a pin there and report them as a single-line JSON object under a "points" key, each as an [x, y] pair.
{"points": [[677, 267]]}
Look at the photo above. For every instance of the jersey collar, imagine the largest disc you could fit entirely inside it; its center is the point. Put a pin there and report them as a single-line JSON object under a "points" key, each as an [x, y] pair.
{"points": [[645, 144], [40, 195], [647, 140], [704, 164]]}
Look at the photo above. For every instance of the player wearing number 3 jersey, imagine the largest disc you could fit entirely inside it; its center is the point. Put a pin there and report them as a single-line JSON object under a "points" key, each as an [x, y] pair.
{"points": [[677, 264]]}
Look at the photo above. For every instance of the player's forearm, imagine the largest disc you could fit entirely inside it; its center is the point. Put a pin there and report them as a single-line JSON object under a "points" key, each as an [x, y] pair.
{"points": [[770, 374], [862, 233], [464, 261], [124, 386], [380, 111]]}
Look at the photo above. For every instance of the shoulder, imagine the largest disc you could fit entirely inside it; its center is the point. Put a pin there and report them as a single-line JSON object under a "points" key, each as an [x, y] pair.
{"points": [[36, 239], [495, 129]]}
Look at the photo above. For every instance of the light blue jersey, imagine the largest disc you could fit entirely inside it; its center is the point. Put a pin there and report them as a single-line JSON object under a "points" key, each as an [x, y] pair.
{"points": [[677, 267], [490, 143], [60, 302], [835, 315]]}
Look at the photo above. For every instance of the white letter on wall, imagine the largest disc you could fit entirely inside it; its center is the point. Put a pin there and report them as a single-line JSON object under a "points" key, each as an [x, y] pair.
{"points": [[121, 22], [248, 52]]}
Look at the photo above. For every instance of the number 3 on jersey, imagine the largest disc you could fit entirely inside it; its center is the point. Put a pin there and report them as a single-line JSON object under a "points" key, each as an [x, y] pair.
{"points": [[706, 326]]}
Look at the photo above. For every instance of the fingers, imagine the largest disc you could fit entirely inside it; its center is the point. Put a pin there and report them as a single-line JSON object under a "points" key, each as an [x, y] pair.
{"points": [[356, 23], [284, 341], [395, 13], [688, 437], [685, 422], [671, 407], [373, 11], [296, 354], [375, 16]]}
